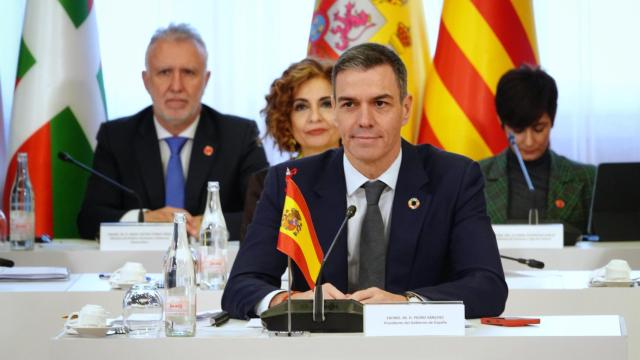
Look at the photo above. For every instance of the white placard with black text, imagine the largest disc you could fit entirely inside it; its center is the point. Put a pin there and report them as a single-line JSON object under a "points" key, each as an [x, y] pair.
{"points": [[131, 236], [541, 236], [414, 319]]}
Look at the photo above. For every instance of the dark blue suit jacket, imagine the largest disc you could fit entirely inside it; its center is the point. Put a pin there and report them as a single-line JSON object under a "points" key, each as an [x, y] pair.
{"points": [[444, 250]]}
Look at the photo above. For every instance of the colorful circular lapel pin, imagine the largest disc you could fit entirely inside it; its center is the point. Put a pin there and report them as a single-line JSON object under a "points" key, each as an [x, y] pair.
{"points": [[208, 150], [559, 203], [413, 203]]}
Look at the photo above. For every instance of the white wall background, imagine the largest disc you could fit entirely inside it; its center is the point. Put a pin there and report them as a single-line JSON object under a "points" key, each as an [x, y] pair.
{"points": [[589, 46]]}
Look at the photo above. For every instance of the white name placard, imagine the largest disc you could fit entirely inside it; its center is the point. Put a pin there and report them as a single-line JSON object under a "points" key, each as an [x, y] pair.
{"points": [[542, 236], [135, 236], [414, 319]]}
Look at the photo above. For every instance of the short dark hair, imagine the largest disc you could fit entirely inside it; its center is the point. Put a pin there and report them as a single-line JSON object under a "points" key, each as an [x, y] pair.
{"points": [[367, 56], [524, 95]]}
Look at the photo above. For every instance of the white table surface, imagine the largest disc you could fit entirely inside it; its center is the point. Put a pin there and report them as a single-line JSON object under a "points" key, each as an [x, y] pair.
{"points": [[557, 337]]}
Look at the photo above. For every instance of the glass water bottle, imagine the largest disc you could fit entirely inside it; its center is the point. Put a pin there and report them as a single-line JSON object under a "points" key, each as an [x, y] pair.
{"points": [[212, 250], [180, 283]]}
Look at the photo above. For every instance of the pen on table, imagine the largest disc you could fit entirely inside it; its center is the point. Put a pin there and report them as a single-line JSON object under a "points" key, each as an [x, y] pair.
{"points": [[219, 319]]}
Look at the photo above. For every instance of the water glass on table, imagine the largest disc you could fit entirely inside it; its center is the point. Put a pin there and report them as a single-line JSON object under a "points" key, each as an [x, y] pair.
{"points": [[142, 311]]}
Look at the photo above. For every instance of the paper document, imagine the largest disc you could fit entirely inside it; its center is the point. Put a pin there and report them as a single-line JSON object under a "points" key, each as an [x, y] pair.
{"points": [[22, 273]]}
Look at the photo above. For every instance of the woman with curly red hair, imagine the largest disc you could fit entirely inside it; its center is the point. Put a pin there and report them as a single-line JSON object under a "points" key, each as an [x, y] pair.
{"points": [[299, 118]]}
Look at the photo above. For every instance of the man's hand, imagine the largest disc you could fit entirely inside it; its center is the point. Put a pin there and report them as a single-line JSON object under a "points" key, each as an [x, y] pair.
{"points": [[375, 295], [193, 226], [164, 214], [329, 291]]}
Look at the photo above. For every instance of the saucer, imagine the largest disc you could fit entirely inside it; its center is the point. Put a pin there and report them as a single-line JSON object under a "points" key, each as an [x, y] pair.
{"points": [[602, 282], [115, 284], [92, 331]]}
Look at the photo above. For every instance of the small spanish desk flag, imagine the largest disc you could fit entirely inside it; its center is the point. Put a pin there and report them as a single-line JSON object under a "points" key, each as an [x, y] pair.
{"points": [[297, 236]]}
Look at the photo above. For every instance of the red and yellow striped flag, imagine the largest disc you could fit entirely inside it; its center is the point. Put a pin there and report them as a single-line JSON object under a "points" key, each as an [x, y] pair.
{"points": [[340, 24], [297, 236], [478, 42]]}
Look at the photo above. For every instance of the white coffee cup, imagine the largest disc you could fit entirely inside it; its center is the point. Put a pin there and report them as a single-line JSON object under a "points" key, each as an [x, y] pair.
{"points": [[89, 316], [617, 270], [130, 272]]}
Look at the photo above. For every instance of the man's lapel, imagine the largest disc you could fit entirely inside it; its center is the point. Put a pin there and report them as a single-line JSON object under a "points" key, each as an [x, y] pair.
{"points": [[328, 208], [150, 164], [410, 205], [203, 154]]}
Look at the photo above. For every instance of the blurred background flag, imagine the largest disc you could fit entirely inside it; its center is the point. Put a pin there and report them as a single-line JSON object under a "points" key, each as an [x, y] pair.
{"points": [[58, 105], [340, 24], [478, 42], [3, 144]]}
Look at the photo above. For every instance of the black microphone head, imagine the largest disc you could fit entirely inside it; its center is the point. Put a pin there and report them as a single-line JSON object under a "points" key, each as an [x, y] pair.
{"points": [[6, 262], [536, 264], [63, 156], [351, 210]]}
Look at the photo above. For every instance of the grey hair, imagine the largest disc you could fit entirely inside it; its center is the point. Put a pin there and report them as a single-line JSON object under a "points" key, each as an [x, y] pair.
{"points": [[178, 32], [367, 56]]}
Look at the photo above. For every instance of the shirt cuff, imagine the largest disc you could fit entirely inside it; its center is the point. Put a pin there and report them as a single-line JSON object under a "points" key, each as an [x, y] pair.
{"points": [[414, 297], [131, 216], [263, 305]]}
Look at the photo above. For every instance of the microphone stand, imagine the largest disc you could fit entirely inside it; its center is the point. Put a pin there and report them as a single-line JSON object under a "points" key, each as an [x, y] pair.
{"points": [[310, 315], [533, 211], [318, 296], [66, 157]]}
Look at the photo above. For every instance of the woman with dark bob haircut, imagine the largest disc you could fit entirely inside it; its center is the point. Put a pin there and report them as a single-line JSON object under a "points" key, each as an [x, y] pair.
{"points": [[299, 118], [526, 102]]}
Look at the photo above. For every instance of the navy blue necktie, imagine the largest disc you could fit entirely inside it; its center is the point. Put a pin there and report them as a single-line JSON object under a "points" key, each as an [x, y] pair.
{"points": [[174, 183]]}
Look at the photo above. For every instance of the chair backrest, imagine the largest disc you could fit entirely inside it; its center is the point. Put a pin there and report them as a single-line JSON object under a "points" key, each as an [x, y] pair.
{"points": [[615, 206]]}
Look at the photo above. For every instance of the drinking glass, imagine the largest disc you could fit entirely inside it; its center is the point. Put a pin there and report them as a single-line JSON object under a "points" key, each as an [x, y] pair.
{"points": [[142, 311]]}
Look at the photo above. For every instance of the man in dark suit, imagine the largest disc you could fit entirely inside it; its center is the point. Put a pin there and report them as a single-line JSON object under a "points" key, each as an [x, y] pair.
{"points": [[433, 240], [168, 151]]}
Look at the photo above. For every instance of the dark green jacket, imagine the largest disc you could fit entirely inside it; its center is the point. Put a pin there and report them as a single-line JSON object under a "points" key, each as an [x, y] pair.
{"points": [[570, 190]]}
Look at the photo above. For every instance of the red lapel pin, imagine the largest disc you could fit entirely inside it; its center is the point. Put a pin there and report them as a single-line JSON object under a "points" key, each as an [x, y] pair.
{"points": [[208, 150], [560, 203]]}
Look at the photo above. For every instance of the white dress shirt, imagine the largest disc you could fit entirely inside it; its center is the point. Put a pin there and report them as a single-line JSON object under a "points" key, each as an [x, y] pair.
{"points": [[356, 196], [165, 153]]}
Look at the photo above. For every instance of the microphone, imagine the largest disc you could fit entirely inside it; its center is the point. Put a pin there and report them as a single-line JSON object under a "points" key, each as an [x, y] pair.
{"points": [[6, 262], [318, 297], [67, 158], [525, 173], [309, 315], [533, 263]]}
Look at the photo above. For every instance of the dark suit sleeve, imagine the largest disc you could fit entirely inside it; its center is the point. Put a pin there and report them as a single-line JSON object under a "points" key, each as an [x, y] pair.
{"points": [[258, 266], [252, 159], [102, 201], [474, 271], [254, 190]]}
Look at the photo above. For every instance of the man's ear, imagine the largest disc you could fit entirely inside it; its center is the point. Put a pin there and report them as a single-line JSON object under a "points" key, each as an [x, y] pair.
{"points": [[145, 79], [406, 108]]}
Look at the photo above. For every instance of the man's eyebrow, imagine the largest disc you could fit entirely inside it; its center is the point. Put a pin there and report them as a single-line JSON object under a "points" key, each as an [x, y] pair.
{"points": [[345, 98]]}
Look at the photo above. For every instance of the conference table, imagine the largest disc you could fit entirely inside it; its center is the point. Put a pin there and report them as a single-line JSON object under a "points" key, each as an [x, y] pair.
{"points": [[557, 337], [32, 311]]}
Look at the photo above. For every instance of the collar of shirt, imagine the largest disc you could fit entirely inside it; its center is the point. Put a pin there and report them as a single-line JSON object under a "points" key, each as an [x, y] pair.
{"points": [[185, 153], [355, 179], [189, 132]]}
